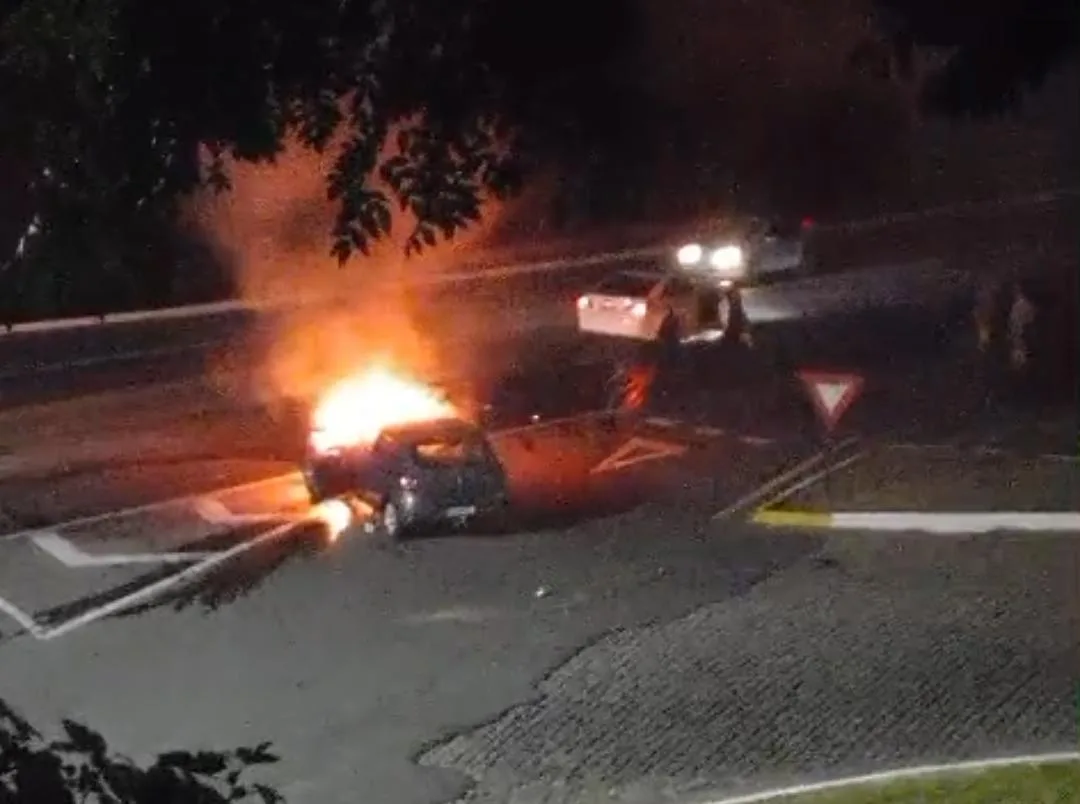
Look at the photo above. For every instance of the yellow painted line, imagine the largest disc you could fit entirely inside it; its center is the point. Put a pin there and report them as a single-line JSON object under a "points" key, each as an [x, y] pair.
{"points": [[791, 519]]}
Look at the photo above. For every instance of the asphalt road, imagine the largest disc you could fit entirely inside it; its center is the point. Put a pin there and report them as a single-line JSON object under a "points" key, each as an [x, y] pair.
{"points": [[35, 368], [629, 637], [645, 654]]}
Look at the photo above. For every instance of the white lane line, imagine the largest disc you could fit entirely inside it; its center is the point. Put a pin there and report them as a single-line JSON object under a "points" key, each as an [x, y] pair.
{"points": [[709, 431], [816, 477], [957, 523], [660, 421], [215, 512], [120, 513], [901, 774], [71, 556], [770, 487], [757, 441], [148, 593], [25, 621]]}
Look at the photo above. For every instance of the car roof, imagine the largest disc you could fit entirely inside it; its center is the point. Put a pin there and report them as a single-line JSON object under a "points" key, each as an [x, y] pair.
{"points": [[654, 276], [434, 428]]}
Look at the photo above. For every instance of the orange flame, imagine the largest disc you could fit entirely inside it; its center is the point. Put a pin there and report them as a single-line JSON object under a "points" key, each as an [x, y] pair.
{"points": [[335, 515], [357, 409]]}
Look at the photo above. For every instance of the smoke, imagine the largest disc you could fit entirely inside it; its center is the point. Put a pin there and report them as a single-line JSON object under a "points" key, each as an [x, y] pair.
{"points": [[273, 229]]}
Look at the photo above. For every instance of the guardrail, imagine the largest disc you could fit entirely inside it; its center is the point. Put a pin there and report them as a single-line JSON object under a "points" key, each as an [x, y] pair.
{"points": [[518, 269]]}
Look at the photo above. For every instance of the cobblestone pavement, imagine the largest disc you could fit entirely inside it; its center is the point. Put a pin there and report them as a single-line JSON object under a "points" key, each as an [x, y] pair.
{"points": [[876, 652]]}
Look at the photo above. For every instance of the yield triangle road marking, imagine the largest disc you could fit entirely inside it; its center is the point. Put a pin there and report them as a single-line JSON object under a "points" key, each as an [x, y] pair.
{"points": [[639, 450]]}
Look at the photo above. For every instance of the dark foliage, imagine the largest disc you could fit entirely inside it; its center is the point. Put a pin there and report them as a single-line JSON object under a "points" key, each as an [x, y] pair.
{"points": [[995, 51], [116, 108], [80, 767]]}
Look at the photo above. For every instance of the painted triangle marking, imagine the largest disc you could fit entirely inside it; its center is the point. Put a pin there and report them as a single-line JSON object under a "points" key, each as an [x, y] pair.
{"points": [[639, 450]]}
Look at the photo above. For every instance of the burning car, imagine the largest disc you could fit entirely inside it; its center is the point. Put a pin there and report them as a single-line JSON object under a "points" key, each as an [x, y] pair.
{"points": [[405, 452]]}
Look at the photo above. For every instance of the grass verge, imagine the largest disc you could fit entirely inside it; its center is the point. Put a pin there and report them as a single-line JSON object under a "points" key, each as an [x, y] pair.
{"points": [[1050, 783]]}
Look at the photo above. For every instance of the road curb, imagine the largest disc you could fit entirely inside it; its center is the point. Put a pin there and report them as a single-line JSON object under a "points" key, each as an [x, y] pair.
{"points": [[796, 792], [946, 522]]}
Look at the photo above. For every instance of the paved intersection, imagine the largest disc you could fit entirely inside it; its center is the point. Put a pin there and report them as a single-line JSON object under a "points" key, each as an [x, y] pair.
{"points": [[717, 657]]}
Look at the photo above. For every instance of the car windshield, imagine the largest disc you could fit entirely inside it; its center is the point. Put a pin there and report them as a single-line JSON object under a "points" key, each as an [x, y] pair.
{"points": [[450, 451], [636, 285]]}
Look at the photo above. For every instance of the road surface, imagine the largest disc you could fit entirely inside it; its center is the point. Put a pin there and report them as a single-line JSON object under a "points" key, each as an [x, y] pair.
{"points": [[618, 648], [630, 637], [988, 240]]}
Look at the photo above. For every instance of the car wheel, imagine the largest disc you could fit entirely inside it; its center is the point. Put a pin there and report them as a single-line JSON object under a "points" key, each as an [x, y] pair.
{"points": [[391, 521], [316, 493]]}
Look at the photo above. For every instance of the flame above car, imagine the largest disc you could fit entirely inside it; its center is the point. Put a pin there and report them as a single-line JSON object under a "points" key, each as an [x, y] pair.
{"points": [[355, 410]]}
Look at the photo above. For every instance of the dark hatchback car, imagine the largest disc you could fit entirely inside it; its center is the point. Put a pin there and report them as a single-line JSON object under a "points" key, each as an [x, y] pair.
{"points": [[414, 475]]}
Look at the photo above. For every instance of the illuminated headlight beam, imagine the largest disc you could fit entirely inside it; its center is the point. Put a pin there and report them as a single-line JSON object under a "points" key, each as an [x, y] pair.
{"points": [[726, 258], [690, 254]]}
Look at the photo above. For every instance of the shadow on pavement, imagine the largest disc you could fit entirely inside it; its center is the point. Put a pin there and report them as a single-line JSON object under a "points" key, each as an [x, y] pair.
{"points": [[220, 585], [246, 572]]}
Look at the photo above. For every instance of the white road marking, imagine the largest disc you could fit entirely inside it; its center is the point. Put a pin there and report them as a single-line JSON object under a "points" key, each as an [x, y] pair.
{"points": [[757, 441], [901, 774], [956, 523], [215, 512], [660, 421], [769, 487], [708, 431], [188, 500], [25, 621], [638, 450], [151, 591], [71, 556], [816, 477]]}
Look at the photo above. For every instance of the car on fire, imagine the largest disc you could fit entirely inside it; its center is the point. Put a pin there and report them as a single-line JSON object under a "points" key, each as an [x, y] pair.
{"points": [[412, 474], [650, 305]]}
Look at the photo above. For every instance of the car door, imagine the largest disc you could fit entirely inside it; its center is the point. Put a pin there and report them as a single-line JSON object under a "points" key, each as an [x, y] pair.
{"points": [[379, 468]]}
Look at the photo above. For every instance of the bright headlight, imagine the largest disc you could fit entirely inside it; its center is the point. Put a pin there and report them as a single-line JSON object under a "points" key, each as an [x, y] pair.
{"points": [[690, 254], [726, 258]]}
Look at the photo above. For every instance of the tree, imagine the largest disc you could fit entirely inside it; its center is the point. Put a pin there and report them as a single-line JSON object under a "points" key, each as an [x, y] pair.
{"points": [[81, 768], [117, 108], [993, 52]]}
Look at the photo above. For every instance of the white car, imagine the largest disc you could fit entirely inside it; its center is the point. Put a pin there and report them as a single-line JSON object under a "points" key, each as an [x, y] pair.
{"points": [[648, 306], [744, 253]]}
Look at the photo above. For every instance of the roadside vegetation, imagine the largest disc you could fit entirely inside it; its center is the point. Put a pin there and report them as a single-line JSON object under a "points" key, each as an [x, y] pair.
{"points": [[1051, 783], [80, 767]]}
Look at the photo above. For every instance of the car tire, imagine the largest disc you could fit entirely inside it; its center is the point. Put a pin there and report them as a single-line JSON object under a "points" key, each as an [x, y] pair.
{"points": [[390, 521], [316, 493]]}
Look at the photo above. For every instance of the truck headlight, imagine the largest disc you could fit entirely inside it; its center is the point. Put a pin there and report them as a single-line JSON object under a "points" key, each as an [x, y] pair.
{"points": [[690, 254], [727, 258]]}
